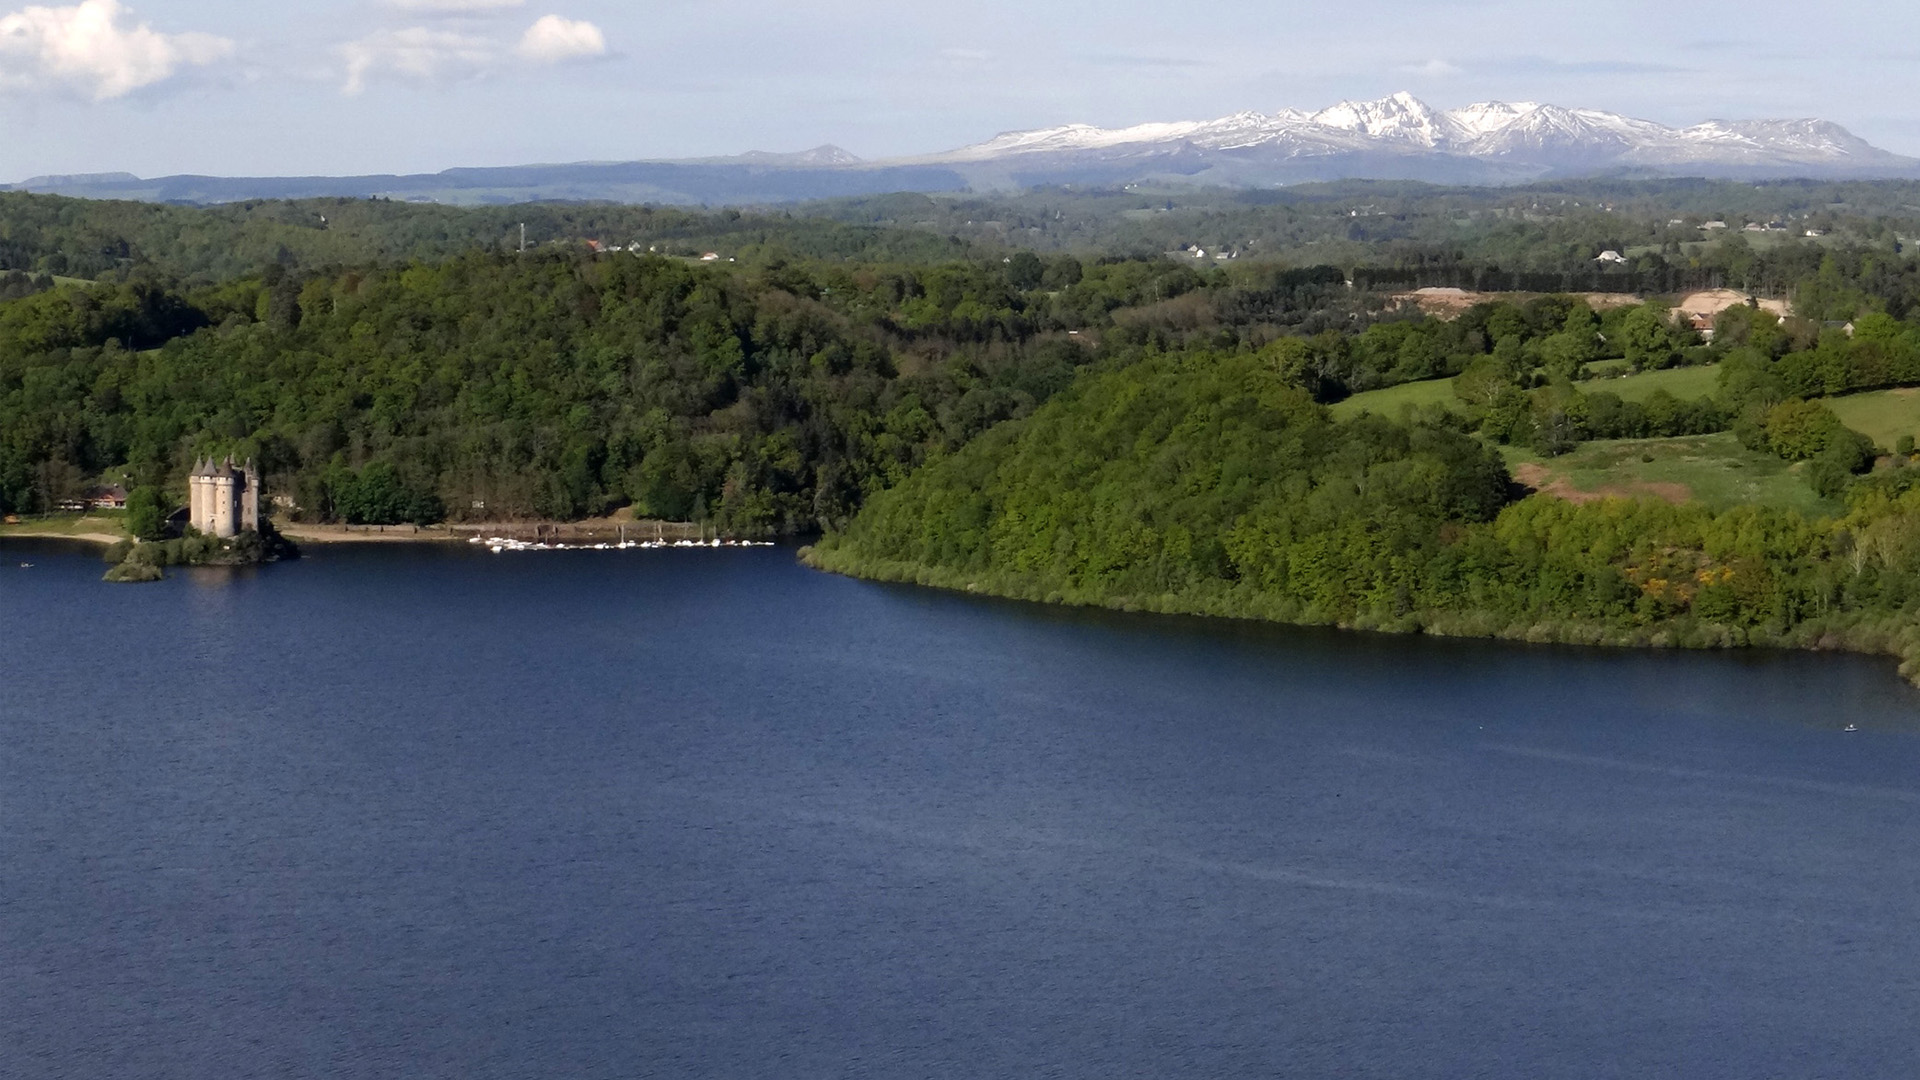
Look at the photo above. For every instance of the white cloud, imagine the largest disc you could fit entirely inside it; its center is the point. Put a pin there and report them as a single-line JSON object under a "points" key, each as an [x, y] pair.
{"points": [[1433, 69], [427, 54], [554, 39], [455, 7], [416, 53], [95, 50]]}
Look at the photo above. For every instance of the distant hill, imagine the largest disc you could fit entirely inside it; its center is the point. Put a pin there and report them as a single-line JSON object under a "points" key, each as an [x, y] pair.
{"points": [[824, 173], [1395, 138]]}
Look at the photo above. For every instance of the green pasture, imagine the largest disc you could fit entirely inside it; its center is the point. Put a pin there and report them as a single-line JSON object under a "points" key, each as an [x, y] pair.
{"points": [[1881, 415], [1714, 470], [1684, 383]]}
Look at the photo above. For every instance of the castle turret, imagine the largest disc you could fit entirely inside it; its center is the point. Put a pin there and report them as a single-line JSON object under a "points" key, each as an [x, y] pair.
{"points": [[225, 501], [200, 496]]}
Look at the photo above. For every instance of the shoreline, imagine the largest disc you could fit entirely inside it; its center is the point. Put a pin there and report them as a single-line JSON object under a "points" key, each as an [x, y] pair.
{"points": [[1897, 642], [588, 531], [98, 539]]}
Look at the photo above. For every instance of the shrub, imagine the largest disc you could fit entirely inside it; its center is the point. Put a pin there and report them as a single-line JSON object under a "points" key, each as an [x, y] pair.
{"points": [[147, 514], [1799, 430]]}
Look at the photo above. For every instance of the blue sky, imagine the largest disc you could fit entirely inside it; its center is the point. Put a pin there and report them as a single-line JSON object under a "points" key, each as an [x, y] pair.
{"points": [[355, 86]]}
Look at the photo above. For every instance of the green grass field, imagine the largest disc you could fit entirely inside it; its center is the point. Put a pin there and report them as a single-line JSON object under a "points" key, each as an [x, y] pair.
{"points": [[1684, 383], [1390, 401], [1714, 470], [1882, 415]]}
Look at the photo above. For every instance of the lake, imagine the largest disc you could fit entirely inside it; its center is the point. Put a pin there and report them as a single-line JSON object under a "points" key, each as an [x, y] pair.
{"points": [[430, 812]]}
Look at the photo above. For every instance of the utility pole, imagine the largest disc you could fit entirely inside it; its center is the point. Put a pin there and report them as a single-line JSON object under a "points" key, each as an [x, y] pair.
{"points": [[523, 238]]}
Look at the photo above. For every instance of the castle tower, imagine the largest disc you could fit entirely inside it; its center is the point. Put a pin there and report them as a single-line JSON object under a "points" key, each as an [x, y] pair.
{"points": [[249, 498], [224, 500]]}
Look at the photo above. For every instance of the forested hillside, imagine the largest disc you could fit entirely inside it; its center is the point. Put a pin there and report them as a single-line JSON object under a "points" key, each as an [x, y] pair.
{"points": [[1673, 234], [765, 399], [1211, 484], [42, 234], [1393, 233]]}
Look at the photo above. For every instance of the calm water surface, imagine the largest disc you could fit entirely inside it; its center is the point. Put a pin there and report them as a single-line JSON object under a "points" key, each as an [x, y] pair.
{"points": [[427, 813]]}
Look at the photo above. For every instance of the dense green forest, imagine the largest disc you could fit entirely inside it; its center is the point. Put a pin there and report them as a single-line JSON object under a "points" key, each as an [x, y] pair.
{"points": [[766, 398], [56, 236]]}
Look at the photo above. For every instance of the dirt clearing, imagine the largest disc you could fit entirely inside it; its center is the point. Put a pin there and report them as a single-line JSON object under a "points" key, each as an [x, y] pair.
{"points": [[1541, 479]]}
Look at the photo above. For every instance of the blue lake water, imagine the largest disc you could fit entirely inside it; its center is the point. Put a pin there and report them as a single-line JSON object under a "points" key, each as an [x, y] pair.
{"points": [[421, 812]]}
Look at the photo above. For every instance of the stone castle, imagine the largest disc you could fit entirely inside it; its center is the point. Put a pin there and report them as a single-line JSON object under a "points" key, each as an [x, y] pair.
{"points": [[224, 499]]}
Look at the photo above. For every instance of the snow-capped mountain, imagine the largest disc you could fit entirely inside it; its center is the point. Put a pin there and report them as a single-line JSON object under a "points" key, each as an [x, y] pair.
{"points": [[1403, 137], [1401, 118]]}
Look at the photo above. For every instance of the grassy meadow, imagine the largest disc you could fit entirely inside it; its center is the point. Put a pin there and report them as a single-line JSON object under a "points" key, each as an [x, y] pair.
{"points": [[1714, 470], [1685, 383], [1390, 401], [1882, 415], [92, 523]]}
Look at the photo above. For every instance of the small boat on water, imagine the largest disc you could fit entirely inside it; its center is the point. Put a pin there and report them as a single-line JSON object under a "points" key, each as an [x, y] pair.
{"points": [[1851, 727]]}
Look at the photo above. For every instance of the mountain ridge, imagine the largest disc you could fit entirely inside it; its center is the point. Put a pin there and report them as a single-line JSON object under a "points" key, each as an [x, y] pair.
{"points": [[1544, 139], [1398, 137]]}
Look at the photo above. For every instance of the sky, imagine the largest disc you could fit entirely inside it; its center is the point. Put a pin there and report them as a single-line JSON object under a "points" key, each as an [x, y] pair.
{"points": [[300, 87]]}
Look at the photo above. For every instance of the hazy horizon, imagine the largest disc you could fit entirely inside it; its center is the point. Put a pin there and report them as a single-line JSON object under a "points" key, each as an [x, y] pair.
{"points": [[310, 87]]}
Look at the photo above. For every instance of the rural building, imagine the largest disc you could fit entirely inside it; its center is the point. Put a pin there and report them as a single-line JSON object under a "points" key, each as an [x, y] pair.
{"points": [[224, 499], [112, 497], [1610, 256]]}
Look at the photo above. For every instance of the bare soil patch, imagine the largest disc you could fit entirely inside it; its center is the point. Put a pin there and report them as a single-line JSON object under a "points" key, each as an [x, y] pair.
{"points": [[1541, 480], [1450, 303], [1715, 301], [55, 534]]}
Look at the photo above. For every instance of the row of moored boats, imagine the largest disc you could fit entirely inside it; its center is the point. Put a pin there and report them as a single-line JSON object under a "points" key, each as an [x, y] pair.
{"points": [[498, 544]]}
